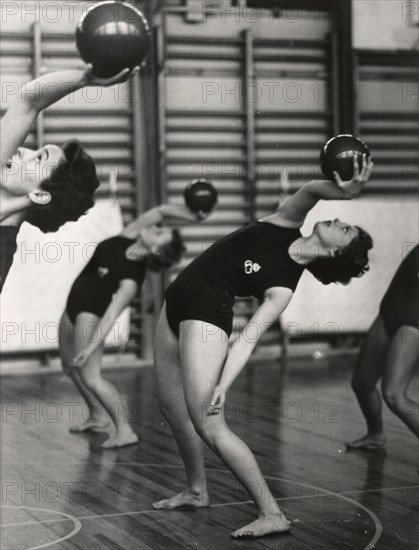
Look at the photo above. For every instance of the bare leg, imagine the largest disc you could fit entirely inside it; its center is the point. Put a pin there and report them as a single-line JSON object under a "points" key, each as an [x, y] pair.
{"points": [[402, 361], [370, 367], [103, 391], [173, 407], [203, 351], [93, 421]]}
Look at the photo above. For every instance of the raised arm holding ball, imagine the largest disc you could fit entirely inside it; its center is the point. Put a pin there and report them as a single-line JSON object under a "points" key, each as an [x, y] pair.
{"points": [[52, 185]]}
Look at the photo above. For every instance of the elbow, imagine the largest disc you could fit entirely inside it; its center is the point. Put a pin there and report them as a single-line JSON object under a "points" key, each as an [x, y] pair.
{"points": [[247, 341]]}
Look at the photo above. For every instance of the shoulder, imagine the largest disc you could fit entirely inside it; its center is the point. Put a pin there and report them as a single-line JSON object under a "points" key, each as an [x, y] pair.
{"points": [[280, 220], [117, 241]]}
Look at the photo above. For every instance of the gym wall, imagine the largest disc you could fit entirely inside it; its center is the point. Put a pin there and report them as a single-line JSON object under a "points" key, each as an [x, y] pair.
{"points": [[245, 97]]}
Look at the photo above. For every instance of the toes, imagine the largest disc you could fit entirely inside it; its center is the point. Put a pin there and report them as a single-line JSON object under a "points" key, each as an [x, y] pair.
{"points": [[242, 534], [160, 504], [163, 504], [116, 443]]}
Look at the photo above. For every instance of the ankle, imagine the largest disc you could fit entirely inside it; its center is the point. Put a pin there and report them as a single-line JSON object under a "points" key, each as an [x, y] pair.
{"points": [[376, 434], [271, 512], [198, 490]]}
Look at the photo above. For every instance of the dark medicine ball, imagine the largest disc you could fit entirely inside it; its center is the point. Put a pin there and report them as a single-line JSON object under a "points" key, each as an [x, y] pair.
{"points": [[338, 156], [112, 36], [200, 196]]}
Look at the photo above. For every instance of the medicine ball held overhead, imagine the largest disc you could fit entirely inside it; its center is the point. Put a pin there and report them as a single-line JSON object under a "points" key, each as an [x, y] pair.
{"points": [[338, 156], [112, 36], [200, 195]]}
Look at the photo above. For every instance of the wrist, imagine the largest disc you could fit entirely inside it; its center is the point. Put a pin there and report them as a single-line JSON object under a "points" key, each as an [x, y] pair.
{"points": [[163, 211], [223, 387], [84, 77]]}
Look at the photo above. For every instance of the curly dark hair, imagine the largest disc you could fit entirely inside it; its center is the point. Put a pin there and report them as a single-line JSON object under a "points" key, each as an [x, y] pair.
{"points": [[168, 255], [71, 184], [351, 261]]}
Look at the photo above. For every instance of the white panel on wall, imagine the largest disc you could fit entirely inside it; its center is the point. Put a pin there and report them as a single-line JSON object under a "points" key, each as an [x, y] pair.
{"points": [[44, 268], [385, 24]]}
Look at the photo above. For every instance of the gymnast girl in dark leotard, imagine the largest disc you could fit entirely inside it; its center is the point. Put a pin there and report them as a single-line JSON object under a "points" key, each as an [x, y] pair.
{"points": [[194, 365], [106, 286], [390, 351]]}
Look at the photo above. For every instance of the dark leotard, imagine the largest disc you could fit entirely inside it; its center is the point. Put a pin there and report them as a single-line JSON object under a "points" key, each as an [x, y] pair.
{"points": [[400, 305], [93, 289], [244, 263], [8, 245]]}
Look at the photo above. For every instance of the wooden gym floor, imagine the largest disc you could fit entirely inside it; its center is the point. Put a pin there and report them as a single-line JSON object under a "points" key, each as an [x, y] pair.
{"points": [[62, 491]]}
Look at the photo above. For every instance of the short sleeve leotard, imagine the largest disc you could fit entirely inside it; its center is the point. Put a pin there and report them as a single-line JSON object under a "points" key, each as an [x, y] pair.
{"points": [[8, 245], [244, 263], [400, 304], [94, 288]]}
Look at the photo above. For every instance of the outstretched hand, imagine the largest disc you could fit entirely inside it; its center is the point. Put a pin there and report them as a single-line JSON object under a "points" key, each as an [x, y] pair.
{"points": [[217, 402], [354, 186], [91, 79], [201, 215]]}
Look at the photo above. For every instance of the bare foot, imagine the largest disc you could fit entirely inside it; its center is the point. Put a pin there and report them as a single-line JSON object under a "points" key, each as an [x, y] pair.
{"points": [[264, 525], [183, 500], [90, 425], [368, 442], [120, 439]]}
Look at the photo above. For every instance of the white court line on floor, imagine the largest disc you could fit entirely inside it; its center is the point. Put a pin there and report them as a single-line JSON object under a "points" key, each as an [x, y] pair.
{"points": [[377, 524], [69, 517], [221, 504]]}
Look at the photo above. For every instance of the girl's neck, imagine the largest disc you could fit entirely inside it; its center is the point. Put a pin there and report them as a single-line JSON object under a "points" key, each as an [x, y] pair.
{"points": [[136, 251], [12, 208], [305, 250]]}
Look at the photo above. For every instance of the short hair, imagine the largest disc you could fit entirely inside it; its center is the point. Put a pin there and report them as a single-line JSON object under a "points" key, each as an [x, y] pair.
{"points": [[351, 261], [71, 184], [168, 255]]}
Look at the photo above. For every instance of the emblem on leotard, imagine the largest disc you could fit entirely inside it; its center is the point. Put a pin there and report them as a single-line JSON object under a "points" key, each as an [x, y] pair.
{"points": [[250, 267], [102, 271]]}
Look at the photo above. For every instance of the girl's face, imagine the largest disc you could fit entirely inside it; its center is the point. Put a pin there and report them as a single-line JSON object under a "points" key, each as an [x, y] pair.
{"points": [[335, 233], [26, 169], [154, 237]]}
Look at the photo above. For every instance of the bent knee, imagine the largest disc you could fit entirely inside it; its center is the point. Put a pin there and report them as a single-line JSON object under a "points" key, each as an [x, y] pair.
{"points": [[165, 409], [393, 398], [91, 380], [211, 430], [67, 369]]}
